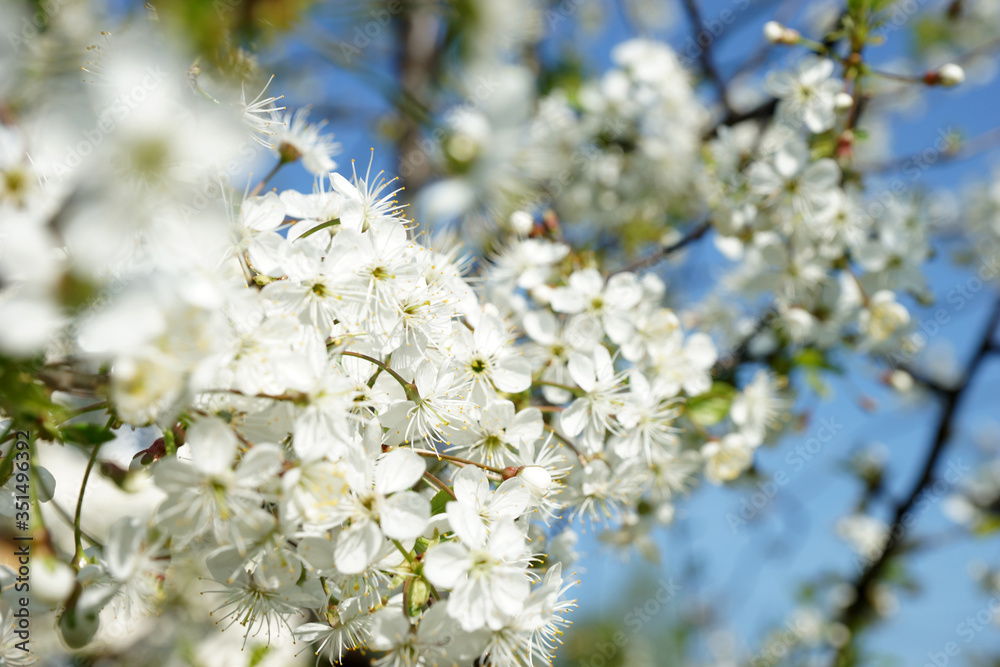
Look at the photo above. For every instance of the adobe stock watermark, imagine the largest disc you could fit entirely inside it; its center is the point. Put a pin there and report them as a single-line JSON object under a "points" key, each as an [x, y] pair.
{"points": [[108, 120], [967, 630], [782, 642], [752, 504], [562, 12], [34, 23], [365, 33], [897, 15], [958, 297], [931, 495], [709, 31], [635, 620]]}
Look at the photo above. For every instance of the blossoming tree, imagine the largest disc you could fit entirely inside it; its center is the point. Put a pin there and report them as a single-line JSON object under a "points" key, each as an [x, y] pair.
{"points": [[351, 416]]}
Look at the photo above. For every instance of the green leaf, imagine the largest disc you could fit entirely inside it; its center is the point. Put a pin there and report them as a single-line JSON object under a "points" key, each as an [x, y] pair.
{"points": [[712, 406], [439, 502], [258, 653], [986, 527], [814, 359], [86, 434]]}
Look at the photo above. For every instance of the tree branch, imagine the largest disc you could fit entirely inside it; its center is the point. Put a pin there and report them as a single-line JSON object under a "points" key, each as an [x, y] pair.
{"points": [[854, 614], [644, 262], [705, 56], [764, 110], [980, 144], [737, 354]]}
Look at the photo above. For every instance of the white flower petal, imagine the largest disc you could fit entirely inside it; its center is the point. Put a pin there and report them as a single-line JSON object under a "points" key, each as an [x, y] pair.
{"points": [[445, 564], [404, 515], [466, 524], [398, 470], [357, 547]]}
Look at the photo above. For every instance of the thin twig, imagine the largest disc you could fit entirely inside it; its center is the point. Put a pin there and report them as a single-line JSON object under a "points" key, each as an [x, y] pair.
{"points": [[408, 386], [270, 174], [980, 144], [439, 484], [644, 262], [783, 15], [569, 443], [558, 385], [273, 397], [764, 110], [454, 459]]}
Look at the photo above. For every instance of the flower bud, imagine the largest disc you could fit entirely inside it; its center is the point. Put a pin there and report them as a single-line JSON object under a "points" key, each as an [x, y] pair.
{"points": [[521, 223], [776, 33], [951, 74], [537, 478], [78, 629], [420, 593], [81, 619], [773, 31], [946, 75], [901, 381], [843, 101]]}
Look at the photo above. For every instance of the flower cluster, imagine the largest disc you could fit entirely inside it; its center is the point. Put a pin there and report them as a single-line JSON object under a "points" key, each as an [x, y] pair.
{"points": [[351, 437]]}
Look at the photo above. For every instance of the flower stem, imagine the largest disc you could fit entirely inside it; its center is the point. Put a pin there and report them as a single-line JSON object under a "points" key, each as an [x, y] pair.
{"points": [[408, 386], [454, 459], [565, 387], [294, 397], [270, 174], [434, 481], [78, 557], [322, 225], [406, 554], [569, 443], [84, 410]]}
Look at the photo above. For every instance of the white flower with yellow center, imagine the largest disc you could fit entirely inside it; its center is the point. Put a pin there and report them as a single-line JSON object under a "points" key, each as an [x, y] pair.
{"points": [[486, 573]]}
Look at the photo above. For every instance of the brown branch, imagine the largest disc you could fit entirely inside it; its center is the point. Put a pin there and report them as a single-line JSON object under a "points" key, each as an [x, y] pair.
{"points": [[644, 262], [457, 460], [760, 112], [854, 614], [416, 62], [569, 443], [705, 56], [737, 354], [434, 481]]}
